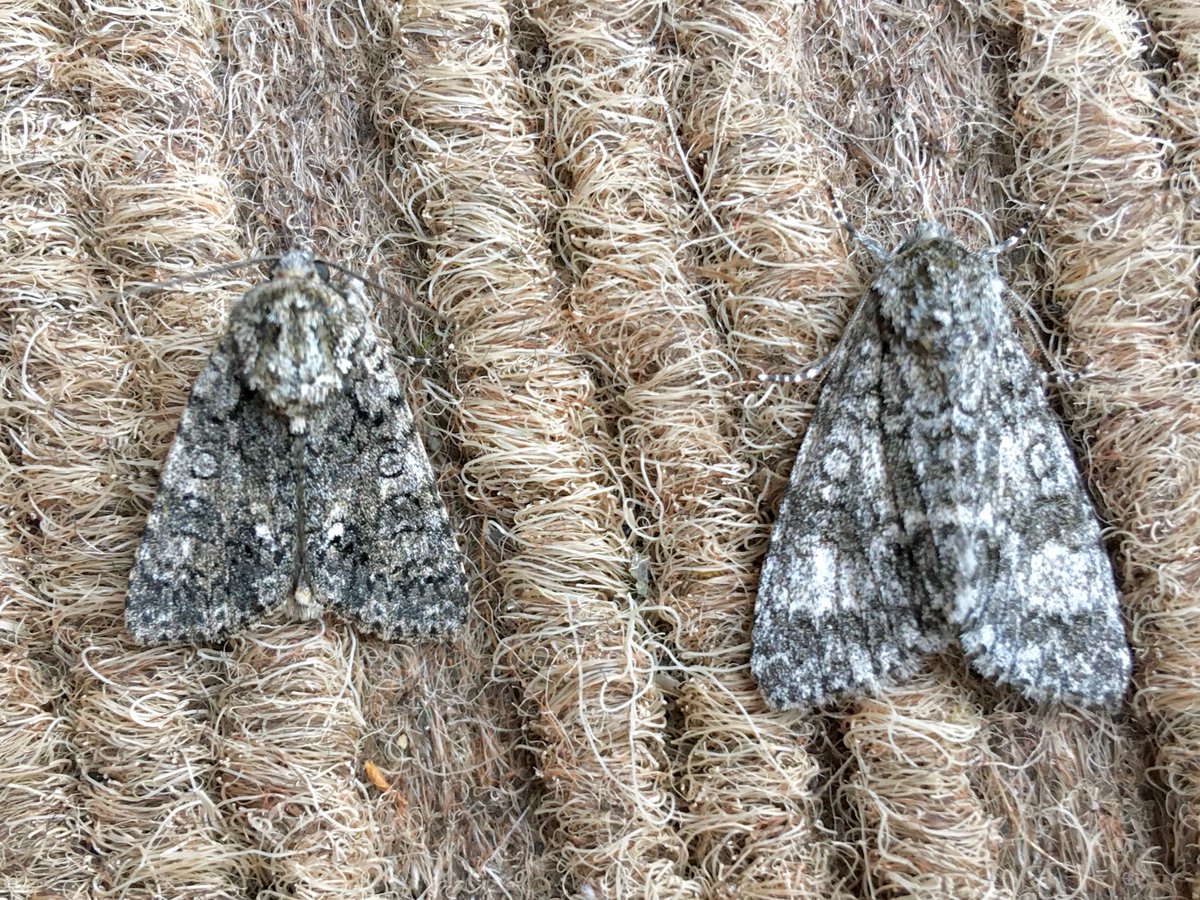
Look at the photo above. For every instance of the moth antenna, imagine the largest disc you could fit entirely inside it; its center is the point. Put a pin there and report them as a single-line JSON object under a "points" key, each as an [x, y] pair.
{"points": [[872, 246], [372, 283], [1017, 236], [141, 289]]}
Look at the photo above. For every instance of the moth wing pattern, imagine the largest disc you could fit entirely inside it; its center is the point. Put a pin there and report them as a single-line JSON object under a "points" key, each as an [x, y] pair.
{"points": [[219, 546], [842, 606], [935, 495], [381, 552], [1040, 612]]}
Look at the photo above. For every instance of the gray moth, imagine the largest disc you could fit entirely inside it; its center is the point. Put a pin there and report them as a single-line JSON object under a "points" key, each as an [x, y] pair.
{"points": [[935, 497], [297, 478]]}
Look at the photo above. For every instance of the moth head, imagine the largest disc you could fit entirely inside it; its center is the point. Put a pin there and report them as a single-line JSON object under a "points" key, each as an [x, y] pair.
{"points": [[294, 334], [925, 238], [299, 264]]}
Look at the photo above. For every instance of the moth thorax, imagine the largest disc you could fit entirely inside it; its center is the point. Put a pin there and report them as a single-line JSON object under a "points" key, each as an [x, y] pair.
{"points": [[938, 307], [296, 351]]}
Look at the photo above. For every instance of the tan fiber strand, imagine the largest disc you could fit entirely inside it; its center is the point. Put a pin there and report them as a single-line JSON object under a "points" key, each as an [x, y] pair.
{"points": [[40, 150], [298, 800], [634, 307], [1066, 785], [37, 781], [1114, 245], [151, 811], [623, 223], [913, 93], [149, 751], [1178, 22], [924, 831], [577, 647], [781, 285]]}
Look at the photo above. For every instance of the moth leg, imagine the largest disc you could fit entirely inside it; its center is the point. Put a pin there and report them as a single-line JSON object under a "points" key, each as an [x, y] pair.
{"points": [[872, 246], [1016, 237], [797, 377]]}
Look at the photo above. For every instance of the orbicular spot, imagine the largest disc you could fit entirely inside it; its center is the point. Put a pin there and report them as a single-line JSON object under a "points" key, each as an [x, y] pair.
{"points": [[391, 464], [836, 464], [969, 400], [1040, 459], [204, 465]]}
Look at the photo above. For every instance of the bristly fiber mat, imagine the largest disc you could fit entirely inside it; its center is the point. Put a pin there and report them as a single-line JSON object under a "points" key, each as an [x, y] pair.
{"points": [[609, 218]]}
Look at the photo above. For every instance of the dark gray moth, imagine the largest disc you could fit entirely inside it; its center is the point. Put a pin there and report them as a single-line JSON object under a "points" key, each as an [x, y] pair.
{"points": [[296, 478]]}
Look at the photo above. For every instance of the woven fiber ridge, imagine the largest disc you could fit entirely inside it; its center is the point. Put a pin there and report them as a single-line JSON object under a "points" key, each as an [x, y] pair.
{"points": [[602, 220]]}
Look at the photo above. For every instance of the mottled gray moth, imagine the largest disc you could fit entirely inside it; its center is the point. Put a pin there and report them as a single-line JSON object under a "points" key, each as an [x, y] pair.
{"points": [[297, 477], [934, 497]]}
